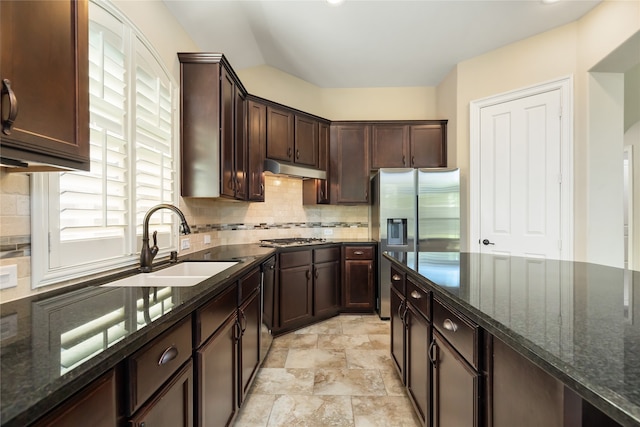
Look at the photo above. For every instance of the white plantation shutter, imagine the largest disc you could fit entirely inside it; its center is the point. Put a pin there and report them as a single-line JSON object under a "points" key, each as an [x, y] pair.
{"points": [[154, 127], [95, 218]]}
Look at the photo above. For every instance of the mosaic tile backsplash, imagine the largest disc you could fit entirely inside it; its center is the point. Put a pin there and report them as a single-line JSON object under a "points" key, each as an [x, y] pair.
{"points": [[223, 222]]}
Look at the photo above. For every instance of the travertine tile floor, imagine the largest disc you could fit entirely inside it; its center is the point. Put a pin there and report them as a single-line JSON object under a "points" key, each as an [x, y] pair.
{"points": [[334, 373]]}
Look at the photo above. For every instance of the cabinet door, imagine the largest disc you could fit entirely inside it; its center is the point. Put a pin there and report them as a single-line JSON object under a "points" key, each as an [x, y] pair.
{"points": [[217, 372], [349, 166], [256, 146], [172, 407], [227, 132], [279, 134], [306, 141], [44, 56], [95, 406], [240, 146], [315, 192], [397, 307], [389, 146], [358, 285], [428, 146], [326, 279], [296, 296], [418, 369], [455, 387], [249, 351]]}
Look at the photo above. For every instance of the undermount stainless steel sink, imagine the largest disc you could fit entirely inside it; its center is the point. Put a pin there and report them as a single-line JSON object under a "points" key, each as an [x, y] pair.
{"points": [[183, 275]]}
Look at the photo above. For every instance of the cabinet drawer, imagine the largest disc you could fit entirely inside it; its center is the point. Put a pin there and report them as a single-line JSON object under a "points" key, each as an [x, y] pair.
{"points": [[326, 255], [419, 298], [152, 365], [210, 317], [248, 284], [358, 252], [295, 259], [398, 280], [458, 330]]}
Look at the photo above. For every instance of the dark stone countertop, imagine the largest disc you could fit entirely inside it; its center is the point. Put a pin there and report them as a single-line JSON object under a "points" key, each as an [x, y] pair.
{"points": [[49, 349], [578, 321]]}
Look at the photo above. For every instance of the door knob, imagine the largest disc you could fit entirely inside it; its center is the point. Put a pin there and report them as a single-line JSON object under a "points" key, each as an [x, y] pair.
{"points": [[487, 242]]}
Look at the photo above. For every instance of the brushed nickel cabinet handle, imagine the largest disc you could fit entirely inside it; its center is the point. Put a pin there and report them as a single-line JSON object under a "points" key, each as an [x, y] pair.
{"points": [[449, 325], [396, 278], [416, 295], [358, 252]]}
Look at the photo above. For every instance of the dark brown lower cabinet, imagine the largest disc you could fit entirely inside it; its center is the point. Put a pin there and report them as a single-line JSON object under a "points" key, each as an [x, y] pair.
{"points": [[358, 292], [296, 296], [250, 322], [217, 366], [398, 306], [171, 407], [95, 406], [326, 282], [456, 389], [418, 372]]}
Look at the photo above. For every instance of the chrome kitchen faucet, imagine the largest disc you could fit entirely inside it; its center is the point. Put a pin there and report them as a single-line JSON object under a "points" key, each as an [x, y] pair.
{"points": [[148, 253]]}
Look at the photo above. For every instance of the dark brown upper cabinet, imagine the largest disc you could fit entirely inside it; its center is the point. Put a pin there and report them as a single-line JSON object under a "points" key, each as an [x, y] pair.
{"points": [[45, 84], [306, 141], [212, 128], [389, 146], [316, 191], [280, 136], [409, 144], [428, 143], [256, 146], [349, 163]]}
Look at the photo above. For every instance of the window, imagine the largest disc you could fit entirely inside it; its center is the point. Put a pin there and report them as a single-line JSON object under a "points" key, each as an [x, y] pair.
{"points": [[87, 218]]}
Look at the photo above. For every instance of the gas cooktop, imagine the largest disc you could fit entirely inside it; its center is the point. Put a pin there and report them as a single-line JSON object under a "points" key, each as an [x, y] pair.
{"points": [[293, 241]]}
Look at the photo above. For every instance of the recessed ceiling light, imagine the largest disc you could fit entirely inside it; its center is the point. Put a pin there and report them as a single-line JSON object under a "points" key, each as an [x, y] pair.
{"points": [[335, 2], [550, 1]]}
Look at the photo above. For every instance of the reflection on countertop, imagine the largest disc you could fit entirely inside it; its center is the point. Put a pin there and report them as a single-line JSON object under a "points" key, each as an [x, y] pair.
{"points": [[50, 340]]}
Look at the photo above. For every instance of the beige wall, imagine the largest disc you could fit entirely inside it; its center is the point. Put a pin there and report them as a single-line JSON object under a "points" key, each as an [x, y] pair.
{"points": [[568, 50], [396, 103]]}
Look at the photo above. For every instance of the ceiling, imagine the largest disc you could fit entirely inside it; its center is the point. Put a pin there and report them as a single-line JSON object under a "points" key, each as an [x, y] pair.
{"points": [[365, 43]]}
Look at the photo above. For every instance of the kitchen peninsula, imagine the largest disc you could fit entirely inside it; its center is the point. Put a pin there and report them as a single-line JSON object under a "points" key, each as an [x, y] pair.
{"points": [[545, 342]]}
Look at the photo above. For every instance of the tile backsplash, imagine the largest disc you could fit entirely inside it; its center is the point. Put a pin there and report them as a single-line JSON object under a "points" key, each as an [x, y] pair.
{"points": [[224, 222]]}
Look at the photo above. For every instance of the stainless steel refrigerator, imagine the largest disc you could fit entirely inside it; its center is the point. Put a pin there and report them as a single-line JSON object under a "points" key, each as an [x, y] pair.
{"points": [[413, 210]]}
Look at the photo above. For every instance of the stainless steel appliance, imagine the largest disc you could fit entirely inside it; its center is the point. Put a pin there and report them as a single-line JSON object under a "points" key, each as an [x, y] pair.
{"points": [[292, 241], [413, 210]]}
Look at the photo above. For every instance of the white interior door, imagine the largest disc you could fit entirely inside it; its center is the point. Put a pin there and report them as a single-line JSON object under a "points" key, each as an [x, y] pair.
{"points": [[520, 176]]}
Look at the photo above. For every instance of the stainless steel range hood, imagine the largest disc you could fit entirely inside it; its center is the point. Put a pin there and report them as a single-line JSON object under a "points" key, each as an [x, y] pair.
{"points": [[278, 168]]}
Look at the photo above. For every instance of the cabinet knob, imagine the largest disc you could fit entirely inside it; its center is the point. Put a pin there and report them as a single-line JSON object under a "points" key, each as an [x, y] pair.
{"points": [[396, 278], [413, 160], [168, 355], [449, 325], [297, 154], [13, 107], [416, 295], [358, 252]]}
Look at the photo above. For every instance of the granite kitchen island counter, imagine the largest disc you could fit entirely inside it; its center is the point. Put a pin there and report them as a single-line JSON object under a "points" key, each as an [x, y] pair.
{"points": [[577, 321], [56, 343]]}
